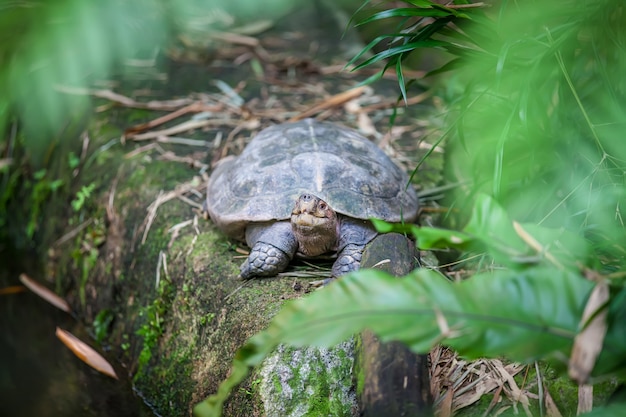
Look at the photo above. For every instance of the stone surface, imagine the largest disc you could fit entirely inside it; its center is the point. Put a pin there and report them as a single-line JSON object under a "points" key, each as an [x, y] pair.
{"points": [[309, 381]]}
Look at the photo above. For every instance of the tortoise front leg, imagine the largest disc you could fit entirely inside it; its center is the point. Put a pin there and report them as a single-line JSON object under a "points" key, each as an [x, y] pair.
{"points": [[355, 235], [268, 259], [348, 260], [265, 260]]}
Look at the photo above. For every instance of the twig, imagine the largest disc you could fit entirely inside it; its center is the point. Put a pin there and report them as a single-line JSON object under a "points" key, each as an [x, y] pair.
{"points": [[183, 127], [190, 202], [171, 156], [540, 390], [73, 233], [157, 279], [250, 124], [140, 149], [110, 210], [333, 101], [534, 244], [184, 141], [236, 290], [180, 226], [152, 211], [166, 105], [164, 198], [191, 108]]}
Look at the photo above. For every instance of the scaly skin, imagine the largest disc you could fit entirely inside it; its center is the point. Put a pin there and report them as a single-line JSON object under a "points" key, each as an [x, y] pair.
{"points": [[348, 260], [265, 260]]}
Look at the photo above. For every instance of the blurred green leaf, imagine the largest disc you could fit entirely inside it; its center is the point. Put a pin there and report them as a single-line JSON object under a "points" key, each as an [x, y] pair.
{"points": [[434, 238], [609, 410], [491, 224], [398, 50], [429, 237], [568, 248], [406, 12], [373, 43]]}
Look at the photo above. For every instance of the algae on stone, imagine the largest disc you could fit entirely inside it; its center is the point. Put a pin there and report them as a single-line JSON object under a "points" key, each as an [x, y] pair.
{"points": [[309, 381]]}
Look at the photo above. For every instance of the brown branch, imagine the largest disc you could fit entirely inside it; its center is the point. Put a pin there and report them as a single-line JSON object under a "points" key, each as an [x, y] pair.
{"points": [[333, 101]]}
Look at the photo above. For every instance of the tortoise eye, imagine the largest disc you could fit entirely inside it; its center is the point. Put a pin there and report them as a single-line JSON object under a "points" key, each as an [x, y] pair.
{"points": [[322, 206]]}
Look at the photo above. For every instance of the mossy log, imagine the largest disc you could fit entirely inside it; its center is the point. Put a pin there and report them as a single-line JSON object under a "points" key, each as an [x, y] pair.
{"points": [[395, 381]]}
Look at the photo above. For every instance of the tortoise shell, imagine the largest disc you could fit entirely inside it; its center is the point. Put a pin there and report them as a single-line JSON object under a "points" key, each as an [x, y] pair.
{"points": [[343, 168]]}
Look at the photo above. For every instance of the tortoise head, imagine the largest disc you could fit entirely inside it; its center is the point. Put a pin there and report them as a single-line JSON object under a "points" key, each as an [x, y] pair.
{"points": [[315, 225]]}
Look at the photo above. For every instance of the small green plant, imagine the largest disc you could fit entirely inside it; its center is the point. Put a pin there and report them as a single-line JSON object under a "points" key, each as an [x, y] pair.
{"points": [[42, 188], [207, 318], [72, 160], [85, 254], [125, 344], [82, 196], [153, 316], [253, 385], [102, 323]]}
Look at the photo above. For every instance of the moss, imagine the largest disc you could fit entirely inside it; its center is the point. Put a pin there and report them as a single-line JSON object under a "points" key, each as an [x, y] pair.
{"points": [[565, 392], [154, 317], [204, 326], [359, 369], [309, 381]]}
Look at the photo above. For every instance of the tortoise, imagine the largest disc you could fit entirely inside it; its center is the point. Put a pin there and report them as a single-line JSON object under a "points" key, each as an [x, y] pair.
{"points": [[307, 189]]}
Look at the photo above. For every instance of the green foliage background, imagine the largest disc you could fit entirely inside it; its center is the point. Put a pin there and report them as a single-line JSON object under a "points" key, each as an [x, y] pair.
{"points": [[539, 121]]}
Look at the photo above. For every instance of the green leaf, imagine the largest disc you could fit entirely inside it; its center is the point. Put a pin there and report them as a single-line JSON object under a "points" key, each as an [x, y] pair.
{"points": [[479, 317], [448, 66], [386, 227], [401, 81], [610, 410], [491, 224], [434, 238], [39, 175], [429, 237], [397, 50], [420, 3], [518, 245], [375, 42], [406, 12]]}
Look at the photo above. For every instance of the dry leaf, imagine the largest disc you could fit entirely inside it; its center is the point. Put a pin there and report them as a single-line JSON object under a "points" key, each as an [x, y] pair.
{"points": [[329, 103], [12, 290], [45, 293], [585, 399], [86, 353], [551, 409], [588, 343], [445, 408]]}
